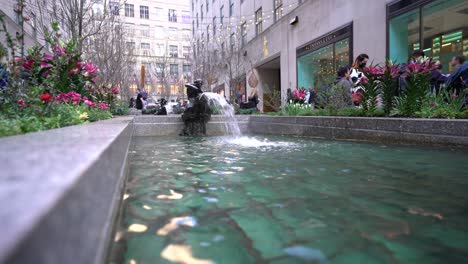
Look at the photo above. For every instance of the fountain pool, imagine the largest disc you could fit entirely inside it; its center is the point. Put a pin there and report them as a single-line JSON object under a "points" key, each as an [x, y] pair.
{"points": [[291, 200]]}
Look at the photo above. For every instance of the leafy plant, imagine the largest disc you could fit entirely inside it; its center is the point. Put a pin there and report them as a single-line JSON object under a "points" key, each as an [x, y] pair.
{"points": [[444, 105], [418, 83], [389, 85]]}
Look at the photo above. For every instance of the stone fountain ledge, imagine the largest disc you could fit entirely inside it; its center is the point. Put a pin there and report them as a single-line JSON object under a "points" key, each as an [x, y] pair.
{"points": [[59, 191], [414, 131], [152, 125]]}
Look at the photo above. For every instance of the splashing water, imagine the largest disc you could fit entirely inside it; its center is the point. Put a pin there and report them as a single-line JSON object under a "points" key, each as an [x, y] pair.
{"points": [[227, 111], [253, 142]]}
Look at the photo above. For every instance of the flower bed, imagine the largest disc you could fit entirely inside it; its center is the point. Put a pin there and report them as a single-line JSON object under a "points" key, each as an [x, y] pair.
{"points": [[50, 90], [390, 90]]}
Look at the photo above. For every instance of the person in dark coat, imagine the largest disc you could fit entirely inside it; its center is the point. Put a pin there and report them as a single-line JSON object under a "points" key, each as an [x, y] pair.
{"points": [[139, 100]]}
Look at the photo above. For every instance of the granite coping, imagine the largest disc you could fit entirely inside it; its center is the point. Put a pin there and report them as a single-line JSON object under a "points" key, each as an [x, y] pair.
{"points": [[40, 169], [395, 130], [178, 119]]}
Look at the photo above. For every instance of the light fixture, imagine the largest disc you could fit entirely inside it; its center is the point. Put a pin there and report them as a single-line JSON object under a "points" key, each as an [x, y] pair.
{"points": [[294, 20]]}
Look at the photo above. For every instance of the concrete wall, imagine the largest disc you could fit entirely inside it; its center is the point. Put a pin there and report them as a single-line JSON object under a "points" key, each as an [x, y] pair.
{"points": [[59, 191], [381, 130]]}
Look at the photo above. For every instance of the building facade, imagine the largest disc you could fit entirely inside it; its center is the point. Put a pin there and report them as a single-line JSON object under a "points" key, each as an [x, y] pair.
{"points": [[291, 43], [13, 21], [158, 34]]}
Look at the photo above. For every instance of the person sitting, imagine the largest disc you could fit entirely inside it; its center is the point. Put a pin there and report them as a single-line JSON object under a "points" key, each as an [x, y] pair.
{"points": [[437, 78], [458, 80], [252, 101]]}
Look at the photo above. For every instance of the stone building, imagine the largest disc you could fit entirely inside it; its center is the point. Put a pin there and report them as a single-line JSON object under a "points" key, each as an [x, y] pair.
{"points": [[292, 43], [13, 20], [158, 34]]}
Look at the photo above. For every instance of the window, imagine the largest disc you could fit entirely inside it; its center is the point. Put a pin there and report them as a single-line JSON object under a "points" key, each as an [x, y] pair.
{"points": [[186, 17], [442, 34], [258, 21], [173, 51], [144, 12], [159, 13], [208, 34], [197, 21], [130, 46], [278, 5], [145, 30], [159, 69], [145, 49], [186, 69], [244, 33], [174, 70], [318, 61], [231, 8], [129, 10], [221, 15], [186, 52], [173, 16], [207, 6], [222, 49], [114, 8]]}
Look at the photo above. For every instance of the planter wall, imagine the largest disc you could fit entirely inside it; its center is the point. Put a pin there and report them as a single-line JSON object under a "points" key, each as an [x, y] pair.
{"points": [[382, 130]]}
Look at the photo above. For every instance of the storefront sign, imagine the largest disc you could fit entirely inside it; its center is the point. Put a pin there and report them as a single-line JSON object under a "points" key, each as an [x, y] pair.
{"points": [[339, 34]]}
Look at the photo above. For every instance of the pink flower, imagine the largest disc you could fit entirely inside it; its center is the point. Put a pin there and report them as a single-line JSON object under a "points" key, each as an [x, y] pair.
{"points": [[115, 90], [48, 57], [454, 96], [28, 64], [45, 64], [59, 50], [21, 103], [356, 97], [432, 104], [89, 103], [74, 71], [103, 106], [90, 69]]}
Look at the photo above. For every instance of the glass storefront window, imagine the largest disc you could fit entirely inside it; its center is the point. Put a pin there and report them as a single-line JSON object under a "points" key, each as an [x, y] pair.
{"points": [[318, 68], [445, 30], [404, 36]]}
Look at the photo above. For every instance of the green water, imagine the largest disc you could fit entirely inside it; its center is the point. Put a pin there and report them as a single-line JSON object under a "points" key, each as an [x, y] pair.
{"points": [[301, 201]]}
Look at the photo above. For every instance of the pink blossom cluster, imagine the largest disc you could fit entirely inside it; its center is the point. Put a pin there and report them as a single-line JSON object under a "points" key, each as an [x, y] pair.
{"points": [[373, 71], [103, 106], [392, 71], [417, 67], [115, 90], [90, 70], [299, 94], [73, 97]]}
